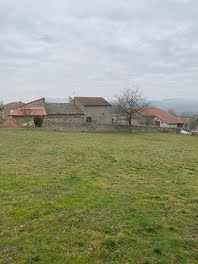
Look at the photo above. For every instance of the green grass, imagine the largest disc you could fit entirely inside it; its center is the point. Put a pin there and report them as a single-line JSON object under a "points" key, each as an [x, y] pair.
{"points": [[98, 198]]}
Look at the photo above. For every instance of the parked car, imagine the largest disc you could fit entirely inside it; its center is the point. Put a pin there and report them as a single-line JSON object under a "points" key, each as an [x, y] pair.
{"points": [[184, 132]]}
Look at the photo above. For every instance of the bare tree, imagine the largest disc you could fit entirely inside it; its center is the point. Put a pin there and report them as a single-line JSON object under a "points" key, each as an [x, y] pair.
{"points": [[130, 102], [193, 122], [172, 112], [187, 114]]}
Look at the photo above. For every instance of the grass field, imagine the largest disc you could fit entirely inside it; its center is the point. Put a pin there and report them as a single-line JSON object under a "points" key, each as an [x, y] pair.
{"points": [[98, 198]]}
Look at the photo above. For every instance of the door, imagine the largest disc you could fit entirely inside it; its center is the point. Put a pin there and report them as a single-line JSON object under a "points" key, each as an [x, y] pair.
{"points": [[157, 123]]}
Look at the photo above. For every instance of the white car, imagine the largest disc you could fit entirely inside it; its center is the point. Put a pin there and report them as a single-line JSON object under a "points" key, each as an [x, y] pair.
{"points": [[184, 132]]}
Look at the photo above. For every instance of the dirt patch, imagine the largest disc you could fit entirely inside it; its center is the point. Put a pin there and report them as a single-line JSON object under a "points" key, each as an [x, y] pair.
{"points": [[8, 123]]}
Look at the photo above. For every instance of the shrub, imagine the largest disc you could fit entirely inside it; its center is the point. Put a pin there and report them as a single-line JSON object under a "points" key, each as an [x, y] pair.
{"points": [[38, 121], [88, 119]]}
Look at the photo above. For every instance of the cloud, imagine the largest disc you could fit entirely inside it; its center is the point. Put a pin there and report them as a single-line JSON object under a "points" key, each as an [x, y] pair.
{"points": [[53, 48]]}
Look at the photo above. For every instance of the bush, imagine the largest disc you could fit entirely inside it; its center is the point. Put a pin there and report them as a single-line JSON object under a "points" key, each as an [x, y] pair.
{"points": [[88, 119], [38, 121]]}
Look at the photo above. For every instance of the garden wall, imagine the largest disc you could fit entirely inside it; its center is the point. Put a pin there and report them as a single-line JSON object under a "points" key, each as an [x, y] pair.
{"points": [[59, 125]]}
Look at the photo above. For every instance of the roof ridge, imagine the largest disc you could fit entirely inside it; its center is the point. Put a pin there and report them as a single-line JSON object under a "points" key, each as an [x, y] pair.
{"points": [[55, 103], [92, 101], [33, 102], [161, 114], [18, 102]]}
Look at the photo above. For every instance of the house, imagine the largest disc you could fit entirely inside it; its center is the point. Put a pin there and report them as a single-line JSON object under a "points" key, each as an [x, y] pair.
{"points": [[8, 108], [27, 112], [67, 112], [95, 109], [160, 118], [1, 111]]}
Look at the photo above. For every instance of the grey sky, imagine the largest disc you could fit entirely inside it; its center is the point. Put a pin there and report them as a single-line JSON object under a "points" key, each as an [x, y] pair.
{"points": [[96, 48]]}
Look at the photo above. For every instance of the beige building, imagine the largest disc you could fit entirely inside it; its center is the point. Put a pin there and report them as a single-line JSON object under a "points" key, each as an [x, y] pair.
{"points": [[160, 118], [95, 109], [153, 117]]}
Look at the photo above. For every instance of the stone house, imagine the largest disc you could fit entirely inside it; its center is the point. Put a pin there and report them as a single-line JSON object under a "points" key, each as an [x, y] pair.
{"points": [[95, 109], [160, 118], [27, 112], [1, 111], [67, 112], [8, 108], [77, 111]]}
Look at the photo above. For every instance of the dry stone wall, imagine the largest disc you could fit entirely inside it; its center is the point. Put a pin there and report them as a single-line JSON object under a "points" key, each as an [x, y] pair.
{"points": [[59, 125]]}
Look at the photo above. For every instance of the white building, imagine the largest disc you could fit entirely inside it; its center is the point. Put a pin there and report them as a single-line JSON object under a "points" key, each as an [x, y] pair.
{"points": [[160, 118]]}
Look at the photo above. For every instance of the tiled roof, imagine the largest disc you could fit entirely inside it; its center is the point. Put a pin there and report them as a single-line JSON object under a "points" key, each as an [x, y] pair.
{"points": [[28, 112], [62, 108], [40, 99], [13, 104], [161, 114], [92, 101]]}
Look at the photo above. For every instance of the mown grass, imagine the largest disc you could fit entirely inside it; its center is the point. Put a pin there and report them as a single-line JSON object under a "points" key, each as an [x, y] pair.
{"points": [[98, 198]]}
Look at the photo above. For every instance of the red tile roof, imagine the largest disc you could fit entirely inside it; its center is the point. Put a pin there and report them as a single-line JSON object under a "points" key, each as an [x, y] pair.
{"points": [[92, 101], [161, 114], [28, 112]]}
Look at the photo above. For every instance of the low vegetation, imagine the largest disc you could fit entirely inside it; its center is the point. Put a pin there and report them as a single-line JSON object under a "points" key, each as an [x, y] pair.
{"points": [[38, 121], [98, 198]]}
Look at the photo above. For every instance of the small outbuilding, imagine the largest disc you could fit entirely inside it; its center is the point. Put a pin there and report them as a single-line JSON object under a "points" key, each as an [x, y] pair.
{"points": [[8, 108], [160, 118], [68, 112], [27, 112]]}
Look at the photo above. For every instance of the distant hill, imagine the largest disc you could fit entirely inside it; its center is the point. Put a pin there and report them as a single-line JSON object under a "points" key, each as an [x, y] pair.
{"points": [[179, 105]]}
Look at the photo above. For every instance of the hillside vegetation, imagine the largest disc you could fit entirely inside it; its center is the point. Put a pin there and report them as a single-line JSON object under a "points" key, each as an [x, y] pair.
{"points": [[98, 198]]}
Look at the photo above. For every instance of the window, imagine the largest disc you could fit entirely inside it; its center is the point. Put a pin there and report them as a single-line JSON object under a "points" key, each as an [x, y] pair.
{"points": [[88, 119]]}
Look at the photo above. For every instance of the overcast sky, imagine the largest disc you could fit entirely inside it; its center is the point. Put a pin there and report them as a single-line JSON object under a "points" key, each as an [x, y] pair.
{"points": [[61, 48]]}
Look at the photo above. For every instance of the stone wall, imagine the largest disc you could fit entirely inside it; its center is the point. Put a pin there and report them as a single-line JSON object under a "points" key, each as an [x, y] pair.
{"points": [[58, 125], [1, 112], [22, 119], [170, 130], [66, 118]]}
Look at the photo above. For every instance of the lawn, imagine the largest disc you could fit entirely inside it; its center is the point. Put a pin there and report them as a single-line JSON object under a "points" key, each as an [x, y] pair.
{"points": [[98, 198]]}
